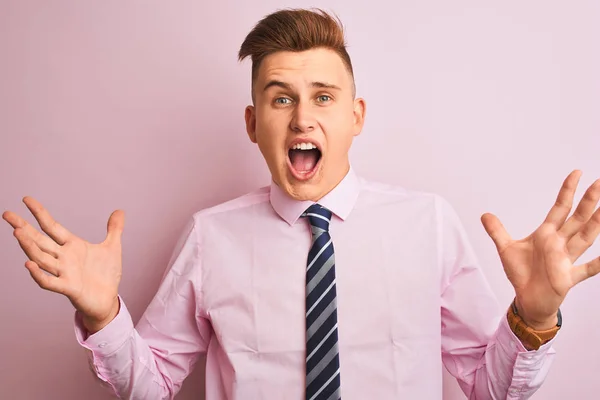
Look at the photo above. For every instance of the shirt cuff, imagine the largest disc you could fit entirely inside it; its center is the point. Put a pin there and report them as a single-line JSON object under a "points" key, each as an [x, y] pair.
{"points": [[110, 338], [530, 366]]}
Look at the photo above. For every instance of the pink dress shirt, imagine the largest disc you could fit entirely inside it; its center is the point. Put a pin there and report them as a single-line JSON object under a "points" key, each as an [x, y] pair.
{"points": [[411, 297]]}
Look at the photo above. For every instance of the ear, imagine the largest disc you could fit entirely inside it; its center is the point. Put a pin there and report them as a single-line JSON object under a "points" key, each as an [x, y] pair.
{"points": [[360, 111], [250, 116]]}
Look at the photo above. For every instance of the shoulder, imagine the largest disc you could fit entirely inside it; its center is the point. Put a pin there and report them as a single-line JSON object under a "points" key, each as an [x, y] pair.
{"points": [[224, 216], [238, 204], [404, 201], [385, 193]]}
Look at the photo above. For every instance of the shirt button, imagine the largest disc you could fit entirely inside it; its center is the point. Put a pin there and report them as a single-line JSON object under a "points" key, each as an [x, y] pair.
{"points": [[102, 344]]}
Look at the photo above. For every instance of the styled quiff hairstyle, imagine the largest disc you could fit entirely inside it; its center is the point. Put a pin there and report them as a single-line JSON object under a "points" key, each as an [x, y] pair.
{"points": [[294, 30]]}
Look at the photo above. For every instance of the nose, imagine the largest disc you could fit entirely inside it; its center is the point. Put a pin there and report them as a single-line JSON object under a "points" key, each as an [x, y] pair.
{"points": [[303, 120]]}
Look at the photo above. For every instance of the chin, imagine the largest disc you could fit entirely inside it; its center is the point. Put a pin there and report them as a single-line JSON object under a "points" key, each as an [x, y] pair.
{"points": [[301, 190], [302, 194]]}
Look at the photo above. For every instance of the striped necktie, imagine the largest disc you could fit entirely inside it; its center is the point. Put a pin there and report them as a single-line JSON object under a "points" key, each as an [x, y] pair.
{"points": [[322, 353]]}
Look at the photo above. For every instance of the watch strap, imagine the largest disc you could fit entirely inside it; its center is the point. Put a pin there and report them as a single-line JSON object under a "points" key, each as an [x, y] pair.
{"points": [[531, 338]]}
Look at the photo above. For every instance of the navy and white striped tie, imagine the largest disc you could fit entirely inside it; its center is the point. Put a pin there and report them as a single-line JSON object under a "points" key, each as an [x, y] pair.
{"points": [[322, 353]]}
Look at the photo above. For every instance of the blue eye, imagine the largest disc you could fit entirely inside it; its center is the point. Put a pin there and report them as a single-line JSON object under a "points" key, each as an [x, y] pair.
{"points": [[282, 100], [323, 98]]}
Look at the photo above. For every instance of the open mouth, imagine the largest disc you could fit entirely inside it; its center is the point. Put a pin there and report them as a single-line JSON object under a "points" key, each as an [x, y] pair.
{"points": [[304, 159]]}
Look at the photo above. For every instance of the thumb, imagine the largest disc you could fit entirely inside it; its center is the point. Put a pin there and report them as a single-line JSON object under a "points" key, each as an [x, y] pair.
{"points": [[496, 231], [115, 226]]}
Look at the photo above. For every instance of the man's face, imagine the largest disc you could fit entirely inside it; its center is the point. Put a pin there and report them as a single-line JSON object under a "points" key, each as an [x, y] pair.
{"points": [[304, 119]]}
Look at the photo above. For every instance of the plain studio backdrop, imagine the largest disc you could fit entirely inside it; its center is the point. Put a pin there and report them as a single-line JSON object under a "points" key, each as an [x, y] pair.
{"points": [[139, 105]]}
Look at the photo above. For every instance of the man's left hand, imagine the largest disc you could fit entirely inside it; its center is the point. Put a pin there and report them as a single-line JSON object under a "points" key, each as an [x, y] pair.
{"points": [[541, 266]]}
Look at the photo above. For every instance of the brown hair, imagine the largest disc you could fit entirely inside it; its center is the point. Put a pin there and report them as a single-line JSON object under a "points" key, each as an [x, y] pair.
{"points": [[294, 30]]}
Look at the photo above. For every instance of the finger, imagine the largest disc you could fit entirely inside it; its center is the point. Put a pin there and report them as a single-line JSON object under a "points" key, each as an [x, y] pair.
{"points": [[44, 280], [42, 241], [584, 210], [582, 272], [56, 231], [564, 201], [496, 231], [13, 219], [585, 237], [115, 226], [33, 252]]}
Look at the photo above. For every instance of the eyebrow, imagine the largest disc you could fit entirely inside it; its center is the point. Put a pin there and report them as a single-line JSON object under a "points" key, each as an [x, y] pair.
{"points": [[287, 86]]}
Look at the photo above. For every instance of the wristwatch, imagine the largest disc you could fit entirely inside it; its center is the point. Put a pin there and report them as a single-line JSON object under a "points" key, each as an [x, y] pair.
{"points": [[531, 338]]}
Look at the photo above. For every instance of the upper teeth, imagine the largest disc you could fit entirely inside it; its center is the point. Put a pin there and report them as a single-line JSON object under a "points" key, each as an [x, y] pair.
{"points": [[303, 146]]}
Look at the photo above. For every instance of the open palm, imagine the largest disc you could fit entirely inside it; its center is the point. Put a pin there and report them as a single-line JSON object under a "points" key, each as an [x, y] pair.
{"points": [[88, 274], [541, 266]]}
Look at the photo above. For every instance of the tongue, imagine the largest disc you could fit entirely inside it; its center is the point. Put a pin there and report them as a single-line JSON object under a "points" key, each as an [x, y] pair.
{"points": [[304, 160]]}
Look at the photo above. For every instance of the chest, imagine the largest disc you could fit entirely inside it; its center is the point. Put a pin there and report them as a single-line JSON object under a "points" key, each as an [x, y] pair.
{"points": [[387, 282]]}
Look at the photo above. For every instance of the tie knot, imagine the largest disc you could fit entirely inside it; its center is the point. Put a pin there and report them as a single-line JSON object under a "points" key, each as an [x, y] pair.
{"points": [[318, 216]]}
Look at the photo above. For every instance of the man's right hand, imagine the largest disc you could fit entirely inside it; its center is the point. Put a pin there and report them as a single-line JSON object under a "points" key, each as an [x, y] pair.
{"points": [[87, 274]]}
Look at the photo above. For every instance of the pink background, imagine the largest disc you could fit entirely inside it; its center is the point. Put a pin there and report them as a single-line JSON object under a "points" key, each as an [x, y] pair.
{"points": [[139, 105]]}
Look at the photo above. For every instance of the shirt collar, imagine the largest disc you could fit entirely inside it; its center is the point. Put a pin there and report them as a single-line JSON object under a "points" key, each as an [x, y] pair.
{"points": [[339, 201]]}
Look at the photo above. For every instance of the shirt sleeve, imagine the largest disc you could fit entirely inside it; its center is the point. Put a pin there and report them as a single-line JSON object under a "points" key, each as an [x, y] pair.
{"points": [[151, 360], [478, 347]]}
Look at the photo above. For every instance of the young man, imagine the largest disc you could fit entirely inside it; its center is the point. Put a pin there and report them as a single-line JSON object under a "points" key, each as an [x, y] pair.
{"points": [[321, 285]]}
